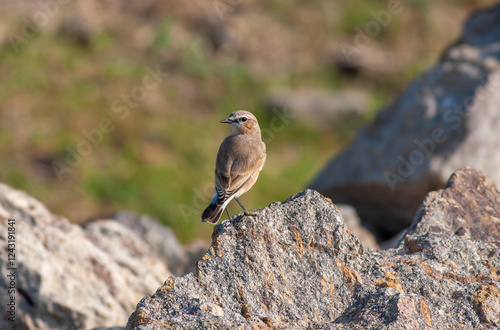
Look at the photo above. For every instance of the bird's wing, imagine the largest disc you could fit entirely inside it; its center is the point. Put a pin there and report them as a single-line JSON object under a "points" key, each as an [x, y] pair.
{"points": [[224, 192], [237, 162]]}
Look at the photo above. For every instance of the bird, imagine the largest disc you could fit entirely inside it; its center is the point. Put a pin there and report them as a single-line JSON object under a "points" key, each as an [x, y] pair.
{"points": [[239, 161]]}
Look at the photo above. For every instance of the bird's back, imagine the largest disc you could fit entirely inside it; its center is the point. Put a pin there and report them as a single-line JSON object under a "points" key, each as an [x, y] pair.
{"points": [[240, 153]]}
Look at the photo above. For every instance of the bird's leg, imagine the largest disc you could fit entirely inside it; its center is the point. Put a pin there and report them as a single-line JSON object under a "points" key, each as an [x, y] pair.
{"points": [[229, 215], [244, 209]]}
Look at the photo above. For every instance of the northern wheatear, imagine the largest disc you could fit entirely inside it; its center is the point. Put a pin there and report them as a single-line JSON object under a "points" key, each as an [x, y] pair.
{"points": [[240, 158]]}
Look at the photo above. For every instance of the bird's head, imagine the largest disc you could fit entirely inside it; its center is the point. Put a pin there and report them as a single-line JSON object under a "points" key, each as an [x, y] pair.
{"points": [[242, 122]]}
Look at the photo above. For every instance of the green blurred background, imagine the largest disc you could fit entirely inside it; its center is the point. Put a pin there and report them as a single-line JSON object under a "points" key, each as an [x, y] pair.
{"points": [[64, 67]]}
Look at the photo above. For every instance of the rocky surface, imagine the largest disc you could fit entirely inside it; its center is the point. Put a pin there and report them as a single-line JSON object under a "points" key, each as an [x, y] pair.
{"points": [[297, 265], [478, 217], [354, 224], [447, 118], [161, 239], [74, 278]]}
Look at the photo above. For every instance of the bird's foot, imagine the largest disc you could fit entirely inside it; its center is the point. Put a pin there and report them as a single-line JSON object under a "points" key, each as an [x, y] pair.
{"points": [[250, 214]]}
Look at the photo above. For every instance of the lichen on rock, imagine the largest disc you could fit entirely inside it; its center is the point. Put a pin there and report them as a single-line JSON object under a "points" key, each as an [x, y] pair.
{"points": [[297, 265]]}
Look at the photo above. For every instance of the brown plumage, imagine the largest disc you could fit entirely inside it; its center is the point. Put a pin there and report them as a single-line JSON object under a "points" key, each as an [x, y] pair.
{"points": [[240, 158]]}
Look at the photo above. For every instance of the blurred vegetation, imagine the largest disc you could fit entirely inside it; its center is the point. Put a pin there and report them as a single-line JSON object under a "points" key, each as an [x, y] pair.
{"points": [[159, 158]]}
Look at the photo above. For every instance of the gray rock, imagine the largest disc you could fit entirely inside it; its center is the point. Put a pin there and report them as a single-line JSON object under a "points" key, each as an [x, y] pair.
{"points": [[160, 239], [477, 218], [353, 222], [162, 242], [68, 277], [393, 241], [194, 251], [446, 119], [297, 265], [320, 108]]}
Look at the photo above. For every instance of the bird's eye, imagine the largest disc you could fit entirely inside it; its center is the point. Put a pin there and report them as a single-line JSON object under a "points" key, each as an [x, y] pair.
{"points": [[244, 119]]}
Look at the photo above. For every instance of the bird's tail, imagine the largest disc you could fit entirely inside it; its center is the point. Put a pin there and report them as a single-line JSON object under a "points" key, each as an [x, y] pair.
{"points": [[212, 213]]}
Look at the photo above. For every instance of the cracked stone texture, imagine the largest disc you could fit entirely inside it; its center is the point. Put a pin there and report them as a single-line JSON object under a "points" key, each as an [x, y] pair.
{"points": [[447, 118], [69, 277], [297, 265]]}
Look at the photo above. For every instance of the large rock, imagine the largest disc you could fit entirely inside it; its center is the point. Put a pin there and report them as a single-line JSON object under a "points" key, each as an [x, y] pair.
{"points": [[68, 277], [468, 206], [297, 265], [162, 240], [354, 224], [447, 118]]}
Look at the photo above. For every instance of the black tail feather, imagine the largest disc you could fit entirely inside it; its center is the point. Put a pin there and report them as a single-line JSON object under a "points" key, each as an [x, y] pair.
{"points": [[212, 213]]}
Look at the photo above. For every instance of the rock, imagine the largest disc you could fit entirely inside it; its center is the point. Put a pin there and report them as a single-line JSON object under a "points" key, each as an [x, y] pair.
{"points": [[486, 302], [393, 241], [320, 108], [477, 219], [194, 251], [353, 222], [68, 277], [446, 119], [161, 240], [163, 243], [297, 265]]}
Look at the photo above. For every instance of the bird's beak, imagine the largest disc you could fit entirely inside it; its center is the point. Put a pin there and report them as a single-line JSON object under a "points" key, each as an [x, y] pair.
{"points": [[226, 121]]}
